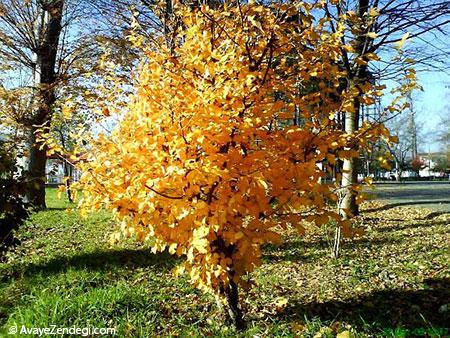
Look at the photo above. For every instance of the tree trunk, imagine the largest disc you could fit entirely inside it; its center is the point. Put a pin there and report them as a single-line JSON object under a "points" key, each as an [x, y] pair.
{"points": [[68, 180], [398, 174], [337, 241], [35, 171], [348, 206], [233, 308], [48, 29], [231, 292]]}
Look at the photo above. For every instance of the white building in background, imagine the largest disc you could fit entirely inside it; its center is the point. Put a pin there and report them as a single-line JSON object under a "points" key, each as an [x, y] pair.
{"points": [[430, 164], [57, 168], [429, 168]]}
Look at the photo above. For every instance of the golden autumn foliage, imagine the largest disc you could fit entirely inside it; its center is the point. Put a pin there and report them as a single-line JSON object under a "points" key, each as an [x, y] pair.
{"points": [[221, 146]]}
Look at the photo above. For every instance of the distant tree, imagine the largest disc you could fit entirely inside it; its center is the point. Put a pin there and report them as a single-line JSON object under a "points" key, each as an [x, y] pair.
{"points": [[408, 132], [417, 164], [30, 34], [443, 138], [44, 41], [441, 164], [443, 130]]}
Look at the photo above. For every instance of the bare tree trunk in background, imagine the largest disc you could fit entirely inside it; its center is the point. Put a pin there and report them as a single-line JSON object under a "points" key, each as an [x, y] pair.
{"points": [[49, 29], [68, 180], [35, 170], [413, 132], [398, 174]]}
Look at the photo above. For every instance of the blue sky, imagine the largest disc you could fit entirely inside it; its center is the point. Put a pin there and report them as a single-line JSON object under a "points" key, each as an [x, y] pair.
{"points": [[431, 104]]}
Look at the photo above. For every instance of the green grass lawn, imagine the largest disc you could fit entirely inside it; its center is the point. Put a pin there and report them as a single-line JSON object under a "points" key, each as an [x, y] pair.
{"points": [[394, 281]]}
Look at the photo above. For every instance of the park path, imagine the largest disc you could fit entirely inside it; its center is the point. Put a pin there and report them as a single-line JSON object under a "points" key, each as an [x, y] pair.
{"points": [[431, 195]]}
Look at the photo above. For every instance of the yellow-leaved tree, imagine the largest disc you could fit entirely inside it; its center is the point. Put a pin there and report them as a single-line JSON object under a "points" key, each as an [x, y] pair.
{"points": [[227, 139]]}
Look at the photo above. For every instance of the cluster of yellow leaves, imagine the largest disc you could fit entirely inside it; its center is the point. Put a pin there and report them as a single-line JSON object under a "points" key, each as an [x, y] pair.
{"points": [[206, 161]]}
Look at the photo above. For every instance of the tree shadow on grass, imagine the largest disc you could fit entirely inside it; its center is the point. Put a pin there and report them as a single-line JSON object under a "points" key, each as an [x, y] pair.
{"points": [[406, 204], [296, 250], [102, 260], [364, 241], [309, 251], [415, 225], [58, 208], [436, 214], [410, 309]]}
